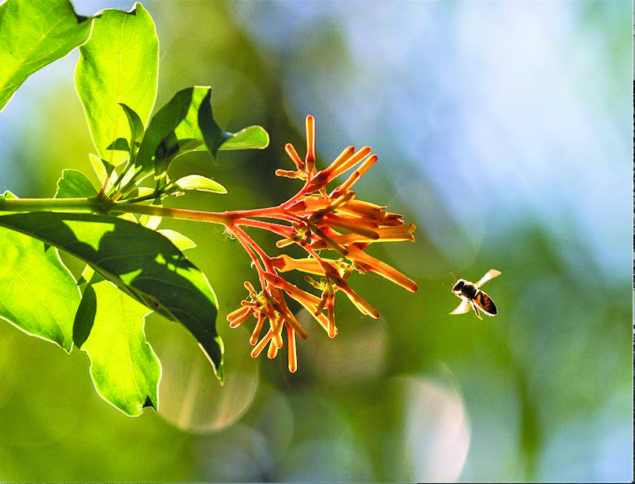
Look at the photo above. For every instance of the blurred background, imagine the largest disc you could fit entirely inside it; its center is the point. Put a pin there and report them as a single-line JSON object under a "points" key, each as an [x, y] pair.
{"points": [[504, 131]]}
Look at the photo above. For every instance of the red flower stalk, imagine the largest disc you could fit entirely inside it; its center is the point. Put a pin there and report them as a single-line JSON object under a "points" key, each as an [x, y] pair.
{"points": [[317, 221]]}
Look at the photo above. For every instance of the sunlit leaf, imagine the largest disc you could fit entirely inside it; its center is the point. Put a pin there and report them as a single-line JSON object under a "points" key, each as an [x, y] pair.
{"points": [[109, 326], [74, 184], [150, 221], [198, 182], [178, 239], [118, 65], [124, 368], [181, 109], [86, 275], [101, 170], [39, 295], [129, 217], [248, 138], [134, 123], [34, 34], [120, 144], [142, 263], [187, 123]]}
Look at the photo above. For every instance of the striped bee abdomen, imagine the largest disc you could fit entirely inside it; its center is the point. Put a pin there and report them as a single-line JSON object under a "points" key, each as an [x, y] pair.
{"points": [[486, 303]]}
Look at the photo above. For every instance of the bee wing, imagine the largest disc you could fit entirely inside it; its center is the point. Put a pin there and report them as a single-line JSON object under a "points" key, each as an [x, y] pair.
{"points": [[491, 274], [475, 308], [486, 304], [463, 307]]}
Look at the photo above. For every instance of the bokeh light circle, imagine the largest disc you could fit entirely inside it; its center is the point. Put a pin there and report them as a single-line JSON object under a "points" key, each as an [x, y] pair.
{"points": [[190, 397]]}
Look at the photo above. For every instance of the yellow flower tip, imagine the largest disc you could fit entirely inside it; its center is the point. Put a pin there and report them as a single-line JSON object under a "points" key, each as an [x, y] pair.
{"points": [[368, 164], [310, 142], [282, 243], [256, 333], [358, 301], [277, 337], [396, 233], [289, 173], [365, 210], [260, 346], [239, 316], [337, 163], [250, 289], [356, 175], [369, 263], [352, 226], [373, 313], [351, 162], [292, 356], [330, 310], [293, 154], [272, 352], [401, 280]]}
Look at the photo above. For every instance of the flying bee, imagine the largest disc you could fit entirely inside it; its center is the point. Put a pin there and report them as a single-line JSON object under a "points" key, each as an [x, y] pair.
{"points": [[472, 296]]}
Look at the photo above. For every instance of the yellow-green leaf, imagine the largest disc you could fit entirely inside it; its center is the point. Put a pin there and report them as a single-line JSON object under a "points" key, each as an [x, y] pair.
{"points": [[39, 295], [141, 262], [118, 65], [201, 183], [124, 368], [34, 33]]}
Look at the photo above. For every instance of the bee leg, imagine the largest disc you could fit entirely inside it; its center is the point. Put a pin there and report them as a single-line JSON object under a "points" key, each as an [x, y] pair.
{"points": [[478, 314]]}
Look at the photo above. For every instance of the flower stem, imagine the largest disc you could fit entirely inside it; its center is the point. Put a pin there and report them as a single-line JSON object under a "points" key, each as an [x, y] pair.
{"points": [[94, 204], [103, 205]]}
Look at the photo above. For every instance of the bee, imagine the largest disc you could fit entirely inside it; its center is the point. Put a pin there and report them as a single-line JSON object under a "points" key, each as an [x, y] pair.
{"points": [[473, 297]]}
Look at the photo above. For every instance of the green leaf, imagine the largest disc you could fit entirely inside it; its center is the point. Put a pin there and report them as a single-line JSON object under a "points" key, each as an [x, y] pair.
{"points": [[74, 184], [187, 123], [124, 368], [180, 109], [120, 144], [102, 168], [118, 65], [141, 262], [178, 239], [253, 137], [86, 275], [150, 221], [134, 123], [85, 316], [198, 182], [212, 134], [34, 34], [39, 295]]}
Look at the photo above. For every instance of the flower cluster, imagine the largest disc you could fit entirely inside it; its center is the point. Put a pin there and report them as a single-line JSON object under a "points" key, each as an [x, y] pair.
{"points": [[319, 221]]}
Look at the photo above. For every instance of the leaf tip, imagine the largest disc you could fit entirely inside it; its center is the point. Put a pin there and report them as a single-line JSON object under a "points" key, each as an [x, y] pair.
{"points": [[216, 366]]}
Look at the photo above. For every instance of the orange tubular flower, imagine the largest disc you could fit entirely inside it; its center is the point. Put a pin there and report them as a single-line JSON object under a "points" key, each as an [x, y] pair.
{"points": [[317, 221]]}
